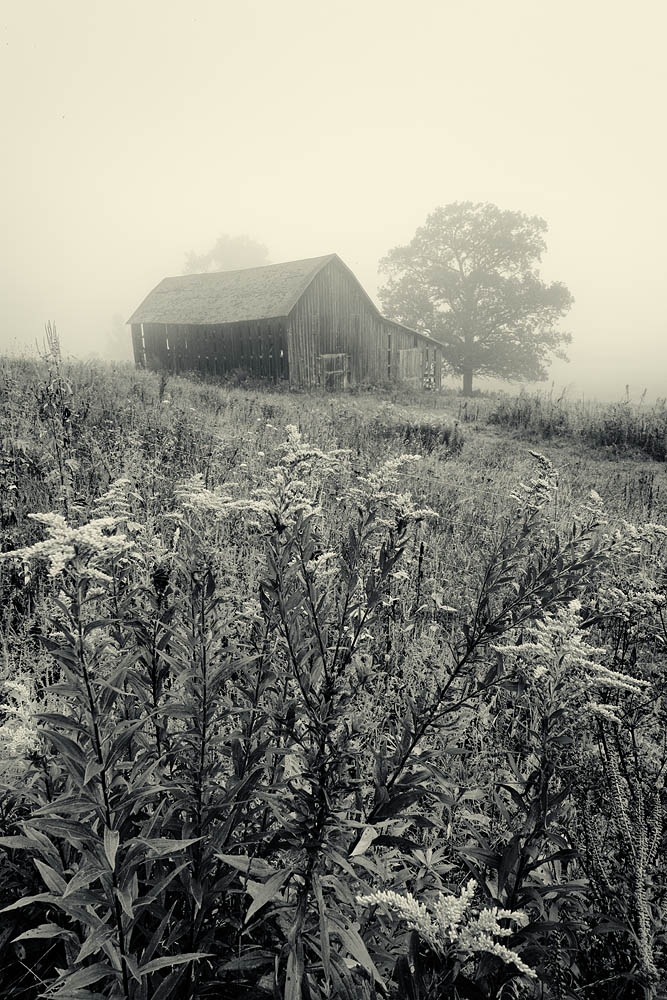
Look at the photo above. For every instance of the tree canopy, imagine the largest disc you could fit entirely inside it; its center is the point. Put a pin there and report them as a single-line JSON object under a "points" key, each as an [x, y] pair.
{"points": [[229, 253], [470, 277]]}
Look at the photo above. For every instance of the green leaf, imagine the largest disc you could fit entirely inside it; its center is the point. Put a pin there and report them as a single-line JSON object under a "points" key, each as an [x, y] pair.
{"points": [[62, 721], [325, 945], [126, 901], [293, 977], [81, 880], [365, 841], [158, 935], [170, 986], [157, 889], [161, 847], [93, 768], [252, 958], [133, 967]]}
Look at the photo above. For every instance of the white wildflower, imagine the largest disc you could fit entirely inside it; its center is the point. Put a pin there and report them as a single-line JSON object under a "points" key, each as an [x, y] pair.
{"points": [[452, 923], [18, 734], [556, 648], [65, 543], [407, 908]]}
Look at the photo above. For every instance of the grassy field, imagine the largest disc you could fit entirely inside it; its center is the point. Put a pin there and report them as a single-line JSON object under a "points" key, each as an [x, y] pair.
{"points": [[315, 696]]}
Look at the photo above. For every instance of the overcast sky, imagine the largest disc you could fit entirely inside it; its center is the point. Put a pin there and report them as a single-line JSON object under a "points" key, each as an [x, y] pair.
{"points": [[134, 132]]}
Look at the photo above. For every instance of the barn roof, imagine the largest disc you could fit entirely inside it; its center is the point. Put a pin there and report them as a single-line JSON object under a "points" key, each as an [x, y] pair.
{"points": [[253, 293], [229, 296]]}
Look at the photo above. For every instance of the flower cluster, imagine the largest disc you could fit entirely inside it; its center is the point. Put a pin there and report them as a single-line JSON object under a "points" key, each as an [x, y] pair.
{"points": [[453, 924], [120, 501], [64, 543], [556, 645], [194, 496], [18, 733], [300, 456], [379, 489], [541, 489]]}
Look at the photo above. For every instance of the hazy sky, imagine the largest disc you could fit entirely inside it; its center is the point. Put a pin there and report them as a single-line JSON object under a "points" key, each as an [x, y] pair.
{"points": [[137, 131]]}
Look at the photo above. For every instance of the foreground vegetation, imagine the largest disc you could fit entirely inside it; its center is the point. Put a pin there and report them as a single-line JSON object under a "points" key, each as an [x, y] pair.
{"points": [[316, 697]]}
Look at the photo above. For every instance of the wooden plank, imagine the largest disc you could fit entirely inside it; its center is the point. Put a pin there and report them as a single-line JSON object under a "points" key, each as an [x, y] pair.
{"points": [[138, 346], [411, 366]]}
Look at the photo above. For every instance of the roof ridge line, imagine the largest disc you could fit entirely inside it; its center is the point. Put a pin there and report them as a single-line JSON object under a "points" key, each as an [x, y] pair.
{"points": [[239, 270]]}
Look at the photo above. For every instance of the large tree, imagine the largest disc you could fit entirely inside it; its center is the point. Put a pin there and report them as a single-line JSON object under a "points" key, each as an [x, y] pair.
{"points": [[470, 277], [229, 253]]}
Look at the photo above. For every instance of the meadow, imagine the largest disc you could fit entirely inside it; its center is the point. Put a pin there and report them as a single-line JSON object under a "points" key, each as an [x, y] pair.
{"points": [[328, 696]]}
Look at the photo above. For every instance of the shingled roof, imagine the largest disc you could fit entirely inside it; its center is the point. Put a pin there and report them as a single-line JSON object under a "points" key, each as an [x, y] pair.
{"points": [[230, 296], [253, 293]]}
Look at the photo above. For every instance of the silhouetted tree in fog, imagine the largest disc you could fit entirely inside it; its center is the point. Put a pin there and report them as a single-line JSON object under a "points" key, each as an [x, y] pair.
{"points": [[470, 278], [229, 253]]}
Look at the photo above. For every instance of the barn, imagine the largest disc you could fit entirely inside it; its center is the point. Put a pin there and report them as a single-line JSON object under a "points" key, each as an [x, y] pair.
{"points": [[306, 322]]}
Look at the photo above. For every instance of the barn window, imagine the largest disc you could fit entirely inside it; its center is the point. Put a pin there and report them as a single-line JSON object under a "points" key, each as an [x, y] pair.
{"points": [[388, 355]]}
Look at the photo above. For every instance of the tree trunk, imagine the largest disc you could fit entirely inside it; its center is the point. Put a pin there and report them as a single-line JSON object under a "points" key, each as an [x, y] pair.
{"points": [[468, 356]]}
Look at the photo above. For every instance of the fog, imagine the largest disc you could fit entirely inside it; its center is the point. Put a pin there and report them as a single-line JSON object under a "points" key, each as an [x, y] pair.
{"points": [[135, 133]]}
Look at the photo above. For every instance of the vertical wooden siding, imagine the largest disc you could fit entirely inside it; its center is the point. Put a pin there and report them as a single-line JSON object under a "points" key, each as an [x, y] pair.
{"points": [[258, 347], [333, 316], [138, 345]]}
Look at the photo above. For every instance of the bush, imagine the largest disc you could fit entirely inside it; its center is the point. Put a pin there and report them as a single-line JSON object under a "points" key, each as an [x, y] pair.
{"points": [[618, 426]]}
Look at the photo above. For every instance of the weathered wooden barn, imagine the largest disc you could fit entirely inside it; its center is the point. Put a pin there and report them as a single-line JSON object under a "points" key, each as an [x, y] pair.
{"points": [[306, 321]]}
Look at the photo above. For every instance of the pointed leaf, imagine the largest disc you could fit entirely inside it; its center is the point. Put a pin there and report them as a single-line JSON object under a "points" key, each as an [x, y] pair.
{"points": [[256, 867], [44, 931], [54, 881], [94, 942], [169, 960], [111, 842], [81, 880], [84, 977], [365, 841], [41, 897], [265, 891]]}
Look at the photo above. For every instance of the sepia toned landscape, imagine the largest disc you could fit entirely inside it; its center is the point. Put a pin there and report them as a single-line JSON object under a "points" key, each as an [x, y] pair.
{"points": [[333, 501], [328, 694]]}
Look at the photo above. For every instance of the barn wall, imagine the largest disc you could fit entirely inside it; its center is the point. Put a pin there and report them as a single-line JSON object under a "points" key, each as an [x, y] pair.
{"points": [[259, 347], [138, 345], [333, 316]]}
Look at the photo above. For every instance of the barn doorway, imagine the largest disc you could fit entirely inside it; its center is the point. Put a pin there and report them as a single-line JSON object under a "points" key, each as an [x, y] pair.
{"points": [[334, 371], [411, 367]]}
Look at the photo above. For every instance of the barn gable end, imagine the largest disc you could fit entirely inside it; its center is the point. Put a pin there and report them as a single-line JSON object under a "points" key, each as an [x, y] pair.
{"points": [[334, 318]]}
